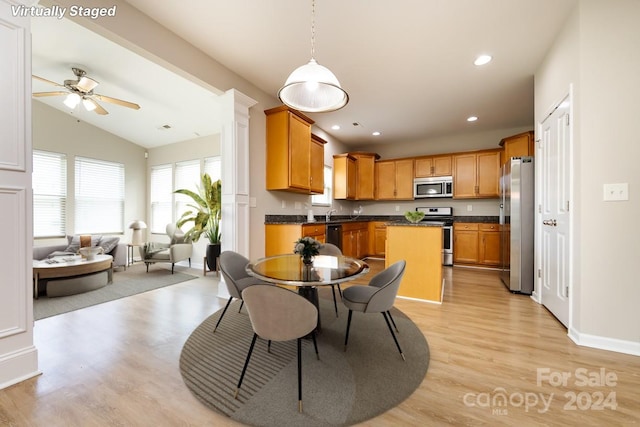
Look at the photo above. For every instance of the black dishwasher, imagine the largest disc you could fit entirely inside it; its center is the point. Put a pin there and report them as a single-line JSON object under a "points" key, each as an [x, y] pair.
{"points": [[334, 234]]}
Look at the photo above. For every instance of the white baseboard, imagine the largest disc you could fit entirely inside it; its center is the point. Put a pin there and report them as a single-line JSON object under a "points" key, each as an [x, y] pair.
{"points": [[18, 366], [605, 343]]}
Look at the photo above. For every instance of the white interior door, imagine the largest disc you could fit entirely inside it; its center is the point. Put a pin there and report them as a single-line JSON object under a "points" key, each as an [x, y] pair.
{"points": [[554, 208]]}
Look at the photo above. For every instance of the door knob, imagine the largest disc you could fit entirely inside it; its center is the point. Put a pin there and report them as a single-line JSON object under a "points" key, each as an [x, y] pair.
{"points": [[551, 222]]}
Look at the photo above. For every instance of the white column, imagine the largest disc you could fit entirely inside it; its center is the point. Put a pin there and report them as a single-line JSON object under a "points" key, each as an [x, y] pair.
{"points": [[234, 150], [18, 356]]}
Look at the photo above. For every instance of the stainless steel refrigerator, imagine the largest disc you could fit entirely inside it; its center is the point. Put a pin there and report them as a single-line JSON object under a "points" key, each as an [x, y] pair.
{"points": [[516, 224]]}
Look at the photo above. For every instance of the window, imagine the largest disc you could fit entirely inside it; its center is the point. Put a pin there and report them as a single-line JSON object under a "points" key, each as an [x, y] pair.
{"points": [[213, 167], [99, 196], [324, 199], [161, 197], [49, 194], [187, 177]]}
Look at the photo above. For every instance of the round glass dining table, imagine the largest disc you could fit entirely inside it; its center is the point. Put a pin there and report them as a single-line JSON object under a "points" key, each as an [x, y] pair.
{"points": [[325, 270]]}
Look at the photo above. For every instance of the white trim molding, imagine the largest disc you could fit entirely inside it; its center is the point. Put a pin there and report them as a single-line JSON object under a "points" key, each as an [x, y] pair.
{"points": [[605, 343]]}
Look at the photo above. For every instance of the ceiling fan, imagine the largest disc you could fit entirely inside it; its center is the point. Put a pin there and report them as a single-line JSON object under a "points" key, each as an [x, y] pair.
{"points": [[81, 90]]}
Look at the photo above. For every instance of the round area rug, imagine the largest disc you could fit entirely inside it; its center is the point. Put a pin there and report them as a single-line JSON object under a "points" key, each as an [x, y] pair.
{"points": [[342, 388]]}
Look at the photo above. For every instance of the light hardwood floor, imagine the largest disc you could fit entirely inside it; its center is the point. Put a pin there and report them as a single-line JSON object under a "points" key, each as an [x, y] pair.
{"points": [[116, 364]]}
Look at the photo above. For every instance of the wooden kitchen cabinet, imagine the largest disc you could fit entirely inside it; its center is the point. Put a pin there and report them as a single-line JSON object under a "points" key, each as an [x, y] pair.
{"points": [[433, 166], [280, 238], [489, 244], [476, 174], [476, 244], [294, 159], [394, 179], [465, 243], [377, 238], [519, 145], [354, 176], [355, 239]]}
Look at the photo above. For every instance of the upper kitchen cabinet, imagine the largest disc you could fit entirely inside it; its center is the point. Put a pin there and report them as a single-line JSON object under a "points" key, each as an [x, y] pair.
{"points": [[394, 179], [295, 160], [354, 176], [476, 174], [433, 166], [519, 145]]}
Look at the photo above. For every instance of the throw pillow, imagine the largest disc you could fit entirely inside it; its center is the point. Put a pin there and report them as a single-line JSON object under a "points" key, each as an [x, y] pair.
{"points": [[74, 243], [108, 243]]}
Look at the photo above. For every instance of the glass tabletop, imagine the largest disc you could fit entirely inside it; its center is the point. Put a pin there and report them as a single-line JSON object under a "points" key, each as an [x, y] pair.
{"points": [[289, 269]]}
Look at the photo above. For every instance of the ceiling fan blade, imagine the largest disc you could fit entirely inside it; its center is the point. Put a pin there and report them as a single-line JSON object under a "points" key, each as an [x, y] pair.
{"points": [[98, 109], [47, 81], [117, 101], [41, 94]]}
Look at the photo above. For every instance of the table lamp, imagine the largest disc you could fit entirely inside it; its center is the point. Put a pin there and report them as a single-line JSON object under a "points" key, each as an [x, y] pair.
{"points": [[136, 236]]}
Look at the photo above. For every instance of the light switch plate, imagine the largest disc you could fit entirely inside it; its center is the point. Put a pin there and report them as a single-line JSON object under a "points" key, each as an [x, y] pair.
{"points": [[615, 192], [253, 202]]}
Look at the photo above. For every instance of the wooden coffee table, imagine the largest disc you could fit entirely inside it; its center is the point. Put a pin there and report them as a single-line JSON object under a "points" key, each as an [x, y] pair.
{"points": [[61, 268]]}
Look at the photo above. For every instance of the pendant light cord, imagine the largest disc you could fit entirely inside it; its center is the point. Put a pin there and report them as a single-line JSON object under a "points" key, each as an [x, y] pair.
{"points": [[313, 28]]}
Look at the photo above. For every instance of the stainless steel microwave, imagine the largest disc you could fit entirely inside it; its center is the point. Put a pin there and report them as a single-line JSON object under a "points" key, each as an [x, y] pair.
{"points": [[439, 186]]}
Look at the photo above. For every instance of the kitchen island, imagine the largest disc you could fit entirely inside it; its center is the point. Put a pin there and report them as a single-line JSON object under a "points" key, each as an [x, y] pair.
{"points": [[420, 245]]}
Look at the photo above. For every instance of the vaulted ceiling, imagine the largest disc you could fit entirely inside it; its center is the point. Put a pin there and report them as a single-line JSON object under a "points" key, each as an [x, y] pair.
{"points": [[407, 65]]}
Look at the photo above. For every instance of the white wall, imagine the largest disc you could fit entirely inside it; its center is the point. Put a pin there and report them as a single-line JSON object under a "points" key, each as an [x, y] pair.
{"points": [[598, 54], [56, 131]]}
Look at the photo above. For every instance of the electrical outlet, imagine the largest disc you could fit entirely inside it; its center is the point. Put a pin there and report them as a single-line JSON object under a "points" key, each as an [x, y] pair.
{"points": [[615, 192], [469, 208], [284, 204], [397, 208]]}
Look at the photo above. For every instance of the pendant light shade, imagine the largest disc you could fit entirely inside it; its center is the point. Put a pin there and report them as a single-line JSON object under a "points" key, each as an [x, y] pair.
{"points": [[313, 88]]}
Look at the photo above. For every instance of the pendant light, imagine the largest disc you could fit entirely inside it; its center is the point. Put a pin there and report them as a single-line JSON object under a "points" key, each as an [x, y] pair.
{"points": [[313, 88]]}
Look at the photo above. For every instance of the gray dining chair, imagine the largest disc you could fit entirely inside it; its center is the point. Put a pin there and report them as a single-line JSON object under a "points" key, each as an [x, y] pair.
{"points": [[232, 266], [278, 314], [377, 297], [332, 250]]}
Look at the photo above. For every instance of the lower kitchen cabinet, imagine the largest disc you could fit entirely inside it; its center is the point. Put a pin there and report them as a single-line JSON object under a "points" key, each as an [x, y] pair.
{"points": [[377, 238], [280, 238], [476, 244], [355, 239]]}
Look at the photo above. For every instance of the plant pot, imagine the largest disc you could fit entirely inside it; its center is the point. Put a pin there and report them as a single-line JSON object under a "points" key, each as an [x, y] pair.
{"points": [[213, 252]]}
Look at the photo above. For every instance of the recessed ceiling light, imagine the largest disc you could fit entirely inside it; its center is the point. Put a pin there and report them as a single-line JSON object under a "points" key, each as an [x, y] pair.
{"points": [[472, 119], [335, 127], [482, 59], [376, 133]]}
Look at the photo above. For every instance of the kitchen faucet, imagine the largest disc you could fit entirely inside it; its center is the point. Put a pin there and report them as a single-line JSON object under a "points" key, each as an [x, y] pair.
{"points": [[327, 217]]}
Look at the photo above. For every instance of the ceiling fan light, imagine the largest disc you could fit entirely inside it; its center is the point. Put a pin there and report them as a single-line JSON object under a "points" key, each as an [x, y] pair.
{"points": [[313, 88], [89, 105], [86, 84], [72, 100]]}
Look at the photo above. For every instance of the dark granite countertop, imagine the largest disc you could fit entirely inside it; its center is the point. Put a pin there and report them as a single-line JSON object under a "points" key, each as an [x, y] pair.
{"points": [[320, 219]]}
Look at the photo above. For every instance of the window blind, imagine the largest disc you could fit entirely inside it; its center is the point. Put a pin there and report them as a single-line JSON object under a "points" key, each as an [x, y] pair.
{"points": [[99, 196], [187, 176], [325, 198], [161, 197], [213, 167], [49, 194]]}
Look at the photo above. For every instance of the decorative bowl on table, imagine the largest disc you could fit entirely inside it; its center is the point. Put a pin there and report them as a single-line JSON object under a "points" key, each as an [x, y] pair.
{"points": [[414, 216], [90, 252]]}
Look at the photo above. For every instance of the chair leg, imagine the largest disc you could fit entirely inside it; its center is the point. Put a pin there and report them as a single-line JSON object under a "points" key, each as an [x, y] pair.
{"points": [[269, 346], [246, 363], [339, 290], [393, 335], [335, 304], [299, 375], [172, 264], [346, 336], [315, 344], [394, 323], [241, 304], [223, 312], [189, 262]]}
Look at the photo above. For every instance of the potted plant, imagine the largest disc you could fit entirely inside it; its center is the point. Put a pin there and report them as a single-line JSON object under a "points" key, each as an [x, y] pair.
{"points": [[205, 215]]}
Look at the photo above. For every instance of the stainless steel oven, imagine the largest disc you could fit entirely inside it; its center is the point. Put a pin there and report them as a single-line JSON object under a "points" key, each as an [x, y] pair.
{"points": [[442, 216]]}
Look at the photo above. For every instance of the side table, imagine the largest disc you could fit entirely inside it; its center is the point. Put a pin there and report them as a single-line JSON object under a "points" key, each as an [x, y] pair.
{"points": [[130, 260]]}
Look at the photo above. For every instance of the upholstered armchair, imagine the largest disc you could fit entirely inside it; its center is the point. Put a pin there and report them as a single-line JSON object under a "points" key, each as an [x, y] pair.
{"points": [[178, 249]]}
